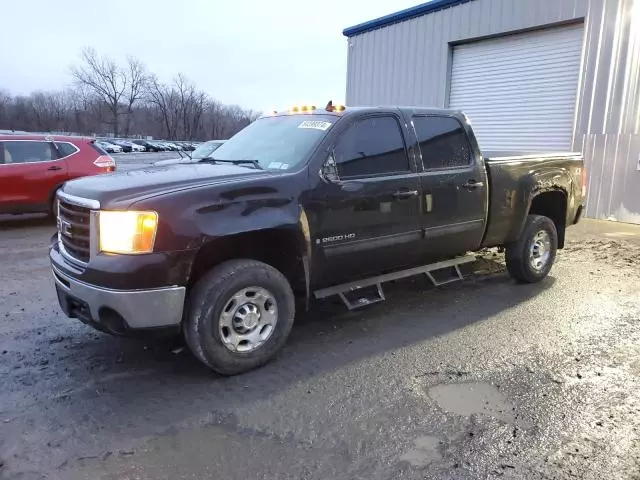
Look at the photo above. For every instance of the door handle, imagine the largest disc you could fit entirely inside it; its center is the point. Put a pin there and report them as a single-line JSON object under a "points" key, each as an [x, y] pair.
{"points": [[404, 194], [54, 167], [472, 185]]}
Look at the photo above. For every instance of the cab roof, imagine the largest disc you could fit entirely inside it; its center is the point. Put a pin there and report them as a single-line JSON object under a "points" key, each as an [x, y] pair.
{"points": [[411, 110]]}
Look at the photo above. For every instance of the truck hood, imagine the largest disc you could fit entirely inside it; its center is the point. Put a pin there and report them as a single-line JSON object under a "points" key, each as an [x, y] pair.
{"points": [[123, 188], [174, 161]]}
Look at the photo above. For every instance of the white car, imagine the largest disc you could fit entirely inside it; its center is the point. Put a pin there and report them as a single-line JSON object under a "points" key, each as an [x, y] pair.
{"points": [[204, 150], [134, 146], [109, 147], [137, 148]]}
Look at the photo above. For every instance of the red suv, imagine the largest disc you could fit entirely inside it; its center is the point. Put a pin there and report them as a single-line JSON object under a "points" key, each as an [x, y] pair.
{"points": [[33, 167]]}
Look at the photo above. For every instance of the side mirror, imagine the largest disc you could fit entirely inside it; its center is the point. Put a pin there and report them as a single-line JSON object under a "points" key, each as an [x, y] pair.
{"points": [[329, 170]]}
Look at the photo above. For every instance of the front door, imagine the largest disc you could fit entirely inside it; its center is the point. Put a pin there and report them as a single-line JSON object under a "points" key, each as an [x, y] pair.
{"points": [[454, 187], [29, 172], [368, 215]]}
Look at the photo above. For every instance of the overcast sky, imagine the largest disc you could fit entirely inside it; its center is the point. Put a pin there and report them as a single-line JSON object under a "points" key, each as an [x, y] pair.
{"points": [[258, 54]]}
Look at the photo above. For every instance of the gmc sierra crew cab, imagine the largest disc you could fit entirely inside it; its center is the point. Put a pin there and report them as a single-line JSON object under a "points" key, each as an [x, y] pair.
{"points": [[301, 204]]}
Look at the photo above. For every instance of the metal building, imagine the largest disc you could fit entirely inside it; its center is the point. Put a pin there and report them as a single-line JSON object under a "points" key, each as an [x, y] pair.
{"points": [[530, 74]]}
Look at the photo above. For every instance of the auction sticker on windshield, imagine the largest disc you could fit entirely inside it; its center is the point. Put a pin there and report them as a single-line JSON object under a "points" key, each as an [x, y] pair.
{"points": [[315, 124]]}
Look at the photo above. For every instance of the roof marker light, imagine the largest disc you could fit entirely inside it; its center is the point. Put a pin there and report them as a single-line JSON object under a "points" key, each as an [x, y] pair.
{"points": [[334, 108]]}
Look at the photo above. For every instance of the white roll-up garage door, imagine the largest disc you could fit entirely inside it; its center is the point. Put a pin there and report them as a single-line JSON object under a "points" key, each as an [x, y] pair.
{"points": [[519, 91]]}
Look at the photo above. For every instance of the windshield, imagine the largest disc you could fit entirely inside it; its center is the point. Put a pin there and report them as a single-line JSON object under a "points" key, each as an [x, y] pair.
{"points": [[277, 143], [205, 149]]}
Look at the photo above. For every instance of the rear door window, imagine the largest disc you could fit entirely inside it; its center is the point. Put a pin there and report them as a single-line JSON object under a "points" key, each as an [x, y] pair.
{"points": [[443, 142], [66, 149], [372, 147], [28, 151], [98, 148]]}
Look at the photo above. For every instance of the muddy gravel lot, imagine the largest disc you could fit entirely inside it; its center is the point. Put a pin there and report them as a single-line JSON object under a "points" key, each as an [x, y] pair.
{"points": [[480, 379]]}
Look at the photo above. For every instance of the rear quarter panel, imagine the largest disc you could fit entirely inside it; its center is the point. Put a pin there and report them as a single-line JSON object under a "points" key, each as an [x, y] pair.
{"points": [[80, 164], [77, 165], [515, 181]]}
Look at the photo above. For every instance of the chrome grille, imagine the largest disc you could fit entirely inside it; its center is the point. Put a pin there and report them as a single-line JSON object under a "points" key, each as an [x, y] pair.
{"points": [[74, 230]]}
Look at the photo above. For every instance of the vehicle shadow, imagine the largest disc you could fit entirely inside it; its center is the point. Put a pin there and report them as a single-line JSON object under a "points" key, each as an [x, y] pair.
{"points": [[164, 377], [10, 222]]}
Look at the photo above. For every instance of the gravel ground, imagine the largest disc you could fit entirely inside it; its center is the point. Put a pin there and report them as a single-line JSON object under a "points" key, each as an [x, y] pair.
{"points": [[479, 379]]}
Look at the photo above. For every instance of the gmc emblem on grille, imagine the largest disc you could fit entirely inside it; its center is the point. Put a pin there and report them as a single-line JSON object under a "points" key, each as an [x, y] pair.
{"points": [[65, 228]]}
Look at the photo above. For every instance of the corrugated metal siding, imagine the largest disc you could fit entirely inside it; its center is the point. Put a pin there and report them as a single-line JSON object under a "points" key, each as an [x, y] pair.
{"points": [[409, 63], [608, 109], [527, 101], [614, 185], [424, 66]]}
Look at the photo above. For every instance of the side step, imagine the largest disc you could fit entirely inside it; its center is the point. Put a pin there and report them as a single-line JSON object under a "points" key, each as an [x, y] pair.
{"points": [[347, 291]]}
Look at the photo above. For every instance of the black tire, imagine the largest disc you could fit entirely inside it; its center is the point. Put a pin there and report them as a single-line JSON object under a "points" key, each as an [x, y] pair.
{"points": [[52, 212], [519, 253], [207, 300]]}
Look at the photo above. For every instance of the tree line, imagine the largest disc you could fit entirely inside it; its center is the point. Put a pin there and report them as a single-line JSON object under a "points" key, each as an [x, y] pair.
{"points": [[123, 100]]}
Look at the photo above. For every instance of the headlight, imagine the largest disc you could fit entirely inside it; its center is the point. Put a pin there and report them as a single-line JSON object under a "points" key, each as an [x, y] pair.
{"points": [[127, 232]]}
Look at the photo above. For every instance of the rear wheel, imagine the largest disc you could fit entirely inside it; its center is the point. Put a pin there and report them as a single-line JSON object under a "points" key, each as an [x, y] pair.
{"points": [[238, 316], [530, 258]]}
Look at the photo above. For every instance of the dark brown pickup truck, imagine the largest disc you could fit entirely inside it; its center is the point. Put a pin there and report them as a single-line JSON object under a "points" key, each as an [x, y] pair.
{"points": [[302, 205]]}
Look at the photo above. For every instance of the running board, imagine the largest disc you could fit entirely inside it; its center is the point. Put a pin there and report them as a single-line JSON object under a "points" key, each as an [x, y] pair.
{"points": [[344, 290]]}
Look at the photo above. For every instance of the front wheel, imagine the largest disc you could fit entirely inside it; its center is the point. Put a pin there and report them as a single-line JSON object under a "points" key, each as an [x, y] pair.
{"points": [[53, 207], [530, 258], [238, 316]]}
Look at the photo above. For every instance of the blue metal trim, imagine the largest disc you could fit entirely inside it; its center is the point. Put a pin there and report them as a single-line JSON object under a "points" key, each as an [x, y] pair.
{"points": [[402, 15]]}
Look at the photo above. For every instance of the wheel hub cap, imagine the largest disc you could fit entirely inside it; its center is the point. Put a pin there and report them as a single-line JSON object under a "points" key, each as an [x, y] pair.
{"points": [[540, 251], [248, 319]]}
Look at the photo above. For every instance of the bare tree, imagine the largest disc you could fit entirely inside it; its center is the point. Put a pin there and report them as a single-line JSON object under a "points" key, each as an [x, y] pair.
{"points": [[213, 115], [159, 95], [6, 102], [105, 92], [136, 86], [108, 82]]}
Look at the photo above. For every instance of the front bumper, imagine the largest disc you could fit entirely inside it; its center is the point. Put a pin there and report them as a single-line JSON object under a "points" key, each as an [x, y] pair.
{"points": [[117, 311]]}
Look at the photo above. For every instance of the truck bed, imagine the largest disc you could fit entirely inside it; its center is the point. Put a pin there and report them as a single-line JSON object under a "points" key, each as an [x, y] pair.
{"points": [[510, 156], [515, 178]]}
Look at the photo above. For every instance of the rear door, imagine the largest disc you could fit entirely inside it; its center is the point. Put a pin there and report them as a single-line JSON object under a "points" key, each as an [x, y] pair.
{"points": [[29, 173], [454, 186], [369, 216]]}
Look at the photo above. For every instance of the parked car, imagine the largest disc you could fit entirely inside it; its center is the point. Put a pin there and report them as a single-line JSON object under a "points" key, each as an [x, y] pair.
{"points": [[163, 145], [134, 146], [338, 200], [154, 146], [109, 147], [148, 146], [33, 167], [126, 146], [204, 150]]}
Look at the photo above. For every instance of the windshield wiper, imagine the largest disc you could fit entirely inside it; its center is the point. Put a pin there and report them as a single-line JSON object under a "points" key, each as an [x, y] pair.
{"points": [[180, 152], [255, 163]]}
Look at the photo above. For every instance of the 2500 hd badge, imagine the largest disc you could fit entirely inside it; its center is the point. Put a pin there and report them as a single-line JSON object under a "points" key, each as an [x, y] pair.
{"points": [[336, 238]]}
